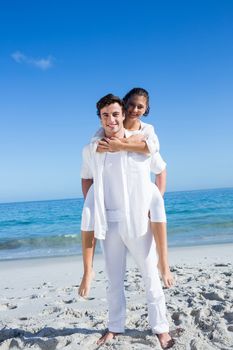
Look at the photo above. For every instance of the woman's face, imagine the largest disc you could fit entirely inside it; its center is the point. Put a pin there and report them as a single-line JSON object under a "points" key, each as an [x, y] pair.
{"points": [[136, 106]]}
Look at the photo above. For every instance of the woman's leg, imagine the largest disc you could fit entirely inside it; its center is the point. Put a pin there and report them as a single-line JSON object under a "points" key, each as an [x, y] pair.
{"points": [[159, 231], [88, 243], [88, 251]]}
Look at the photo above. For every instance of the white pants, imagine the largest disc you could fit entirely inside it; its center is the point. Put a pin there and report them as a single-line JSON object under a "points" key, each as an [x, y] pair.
{"points": [[156, 207], [143, 250]]}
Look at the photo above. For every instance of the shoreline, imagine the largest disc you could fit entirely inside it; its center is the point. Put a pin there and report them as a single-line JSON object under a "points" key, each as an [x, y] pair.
{"points": [[209, 249]]}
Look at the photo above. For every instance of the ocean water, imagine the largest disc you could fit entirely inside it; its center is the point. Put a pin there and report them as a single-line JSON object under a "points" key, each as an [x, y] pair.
{"points": [[52, 228]]}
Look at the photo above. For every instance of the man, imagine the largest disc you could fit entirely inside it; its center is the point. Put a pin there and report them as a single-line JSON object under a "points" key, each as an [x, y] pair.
{"points": [[122, 195]]}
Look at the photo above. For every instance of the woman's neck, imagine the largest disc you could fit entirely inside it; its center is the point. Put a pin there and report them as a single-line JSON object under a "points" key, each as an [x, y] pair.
{"points": [[132, 124]]}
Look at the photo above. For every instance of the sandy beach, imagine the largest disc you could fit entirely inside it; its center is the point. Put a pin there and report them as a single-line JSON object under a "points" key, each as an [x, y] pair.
{"points": [[40, 307]]}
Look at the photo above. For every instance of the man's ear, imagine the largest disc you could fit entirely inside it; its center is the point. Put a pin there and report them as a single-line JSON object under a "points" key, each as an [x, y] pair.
{"points": [[123, 115]]}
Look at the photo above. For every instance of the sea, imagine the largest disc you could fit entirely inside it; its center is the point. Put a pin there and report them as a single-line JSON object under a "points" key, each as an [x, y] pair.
{"points": [[52, 227]]}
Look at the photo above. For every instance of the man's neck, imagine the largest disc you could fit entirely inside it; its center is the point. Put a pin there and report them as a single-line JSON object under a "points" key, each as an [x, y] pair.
{"points": [[120, 134]]}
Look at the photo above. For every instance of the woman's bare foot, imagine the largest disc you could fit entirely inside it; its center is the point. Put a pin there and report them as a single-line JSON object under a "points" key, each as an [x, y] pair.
{"points": [[106, 337], [166, 341], [85, 285], [166, 275]]}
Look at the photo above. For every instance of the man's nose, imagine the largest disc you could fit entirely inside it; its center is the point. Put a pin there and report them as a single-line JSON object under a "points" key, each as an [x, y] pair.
{"points": [[110, 118]]}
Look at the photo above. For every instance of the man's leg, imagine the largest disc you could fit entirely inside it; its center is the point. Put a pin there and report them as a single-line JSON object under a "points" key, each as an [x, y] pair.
{"points": [[144, 252], [114, 252], [88, 250]]}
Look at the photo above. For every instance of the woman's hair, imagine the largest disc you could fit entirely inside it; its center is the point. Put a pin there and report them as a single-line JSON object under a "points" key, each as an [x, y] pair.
{"points": [[108, 100], [139, 92]]}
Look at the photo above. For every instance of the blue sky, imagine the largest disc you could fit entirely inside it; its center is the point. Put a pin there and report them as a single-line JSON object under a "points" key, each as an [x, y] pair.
{"points": [[58, 58]]}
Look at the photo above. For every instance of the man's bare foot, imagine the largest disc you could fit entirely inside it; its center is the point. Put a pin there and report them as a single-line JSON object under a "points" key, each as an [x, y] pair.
{"points": [[106, 337], [85, 285], [166, 341]]}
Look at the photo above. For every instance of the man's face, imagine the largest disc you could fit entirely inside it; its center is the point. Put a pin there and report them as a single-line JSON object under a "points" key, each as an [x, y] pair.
{"points": [[112, 119]]}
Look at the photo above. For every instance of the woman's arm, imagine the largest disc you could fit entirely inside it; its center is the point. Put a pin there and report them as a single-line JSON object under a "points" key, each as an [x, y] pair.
{"points": [[86, 184], [134, 143], [160, 181]]}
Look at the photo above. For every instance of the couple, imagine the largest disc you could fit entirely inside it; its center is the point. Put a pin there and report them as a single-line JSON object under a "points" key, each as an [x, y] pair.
{"points": [[118, 196]]}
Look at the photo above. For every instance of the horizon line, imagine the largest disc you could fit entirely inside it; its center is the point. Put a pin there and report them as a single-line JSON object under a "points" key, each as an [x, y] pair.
{"points": [[71, 198]]}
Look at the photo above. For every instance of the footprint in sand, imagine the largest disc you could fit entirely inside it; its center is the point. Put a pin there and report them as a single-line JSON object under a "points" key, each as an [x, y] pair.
{"points": [[23, 318], [68, 301], [213, 296], [85, 299], [7, 306], [34, 296], [218, 307], [228, 316], [178, 317]]}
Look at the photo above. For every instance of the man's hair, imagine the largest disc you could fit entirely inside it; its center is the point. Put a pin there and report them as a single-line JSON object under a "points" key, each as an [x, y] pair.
{"points": [[108, 100], [139, 92]]}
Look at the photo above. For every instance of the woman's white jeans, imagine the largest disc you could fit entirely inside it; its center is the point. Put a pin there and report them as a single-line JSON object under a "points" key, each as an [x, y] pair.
{"points": [[143, 250]]}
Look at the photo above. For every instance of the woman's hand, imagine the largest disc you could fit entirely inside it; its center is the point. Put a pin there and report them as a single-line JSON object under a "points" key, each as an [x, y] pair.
{"points": [[112, 144], [136, 138], [115, 144], [103, 146]]}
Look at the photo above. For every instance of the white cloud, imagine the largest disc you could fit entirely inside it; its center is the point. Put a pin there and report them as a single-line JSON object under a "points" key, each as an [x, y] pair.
{"points": [[18, 57], [41, 63]]}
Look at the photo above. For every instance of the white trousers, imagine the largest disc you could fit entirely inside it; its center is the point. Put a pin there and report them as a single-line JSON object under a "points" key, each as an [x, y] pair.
{"points": [[143, 250], [156, 207]]}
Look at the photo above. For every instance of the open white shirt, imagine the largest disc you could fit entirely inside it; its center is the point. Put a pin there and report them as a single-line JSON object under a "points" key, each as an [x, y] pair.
{"points": [[151, 139], [134, 191]]}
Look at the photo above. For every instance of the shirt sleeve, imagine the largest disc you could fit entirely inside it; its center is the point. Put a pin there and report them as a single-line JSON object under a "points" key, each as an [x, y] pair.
{"points": [[157, 164], [151, 138], [86, 168]]}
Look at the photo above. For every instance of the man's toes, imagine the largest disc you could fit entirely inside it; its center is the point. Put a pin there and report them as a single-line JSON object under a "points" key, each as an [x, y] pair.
{"points": [[106, 337]]}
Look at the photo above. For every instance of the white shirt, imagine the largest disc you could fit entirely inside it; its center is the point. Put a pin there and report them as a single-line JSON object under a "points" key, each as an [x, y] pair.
{"points": [[147, 130], [152, 141], [112, 182], [135, 191]]}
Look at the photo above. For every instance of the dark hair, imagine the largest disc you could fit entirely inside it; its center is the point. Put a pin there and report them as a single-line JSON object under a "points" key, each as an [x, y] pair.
{"points": [[108, 100], [140, 92]]}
